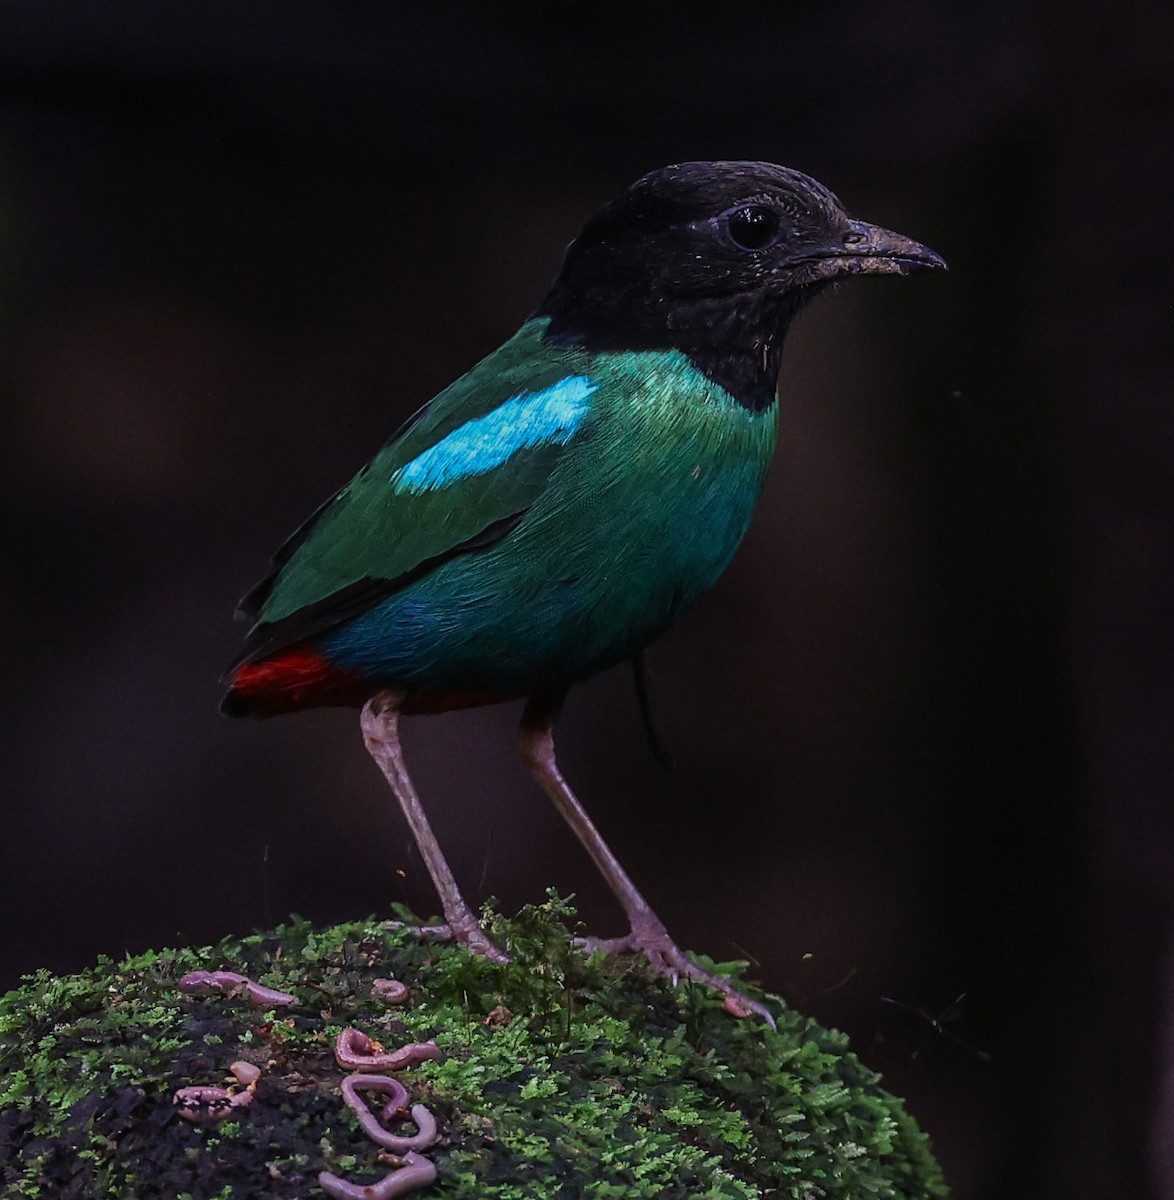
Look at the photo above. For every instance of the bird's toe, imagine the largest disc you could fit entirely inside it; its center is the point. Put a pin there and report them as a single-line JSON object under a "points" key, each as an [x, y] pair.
{"points": [[669, 960], [472, 936]]}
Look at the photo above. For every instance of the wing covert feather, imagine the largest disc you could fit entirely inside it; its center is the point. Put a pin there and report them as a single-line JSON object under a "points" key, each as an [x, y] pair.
{"points": [[459, 474]]}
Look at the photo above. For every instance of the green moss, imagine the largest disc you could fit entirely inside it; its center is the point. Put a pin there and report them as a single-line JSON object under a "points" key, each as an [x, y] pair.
{"points": [[563, 1076]]}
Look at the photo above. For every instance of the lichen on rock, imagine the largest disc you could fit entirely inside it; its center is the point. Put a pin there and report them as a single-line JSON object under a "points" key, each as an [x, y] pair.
{"points": [[562, 1076]]}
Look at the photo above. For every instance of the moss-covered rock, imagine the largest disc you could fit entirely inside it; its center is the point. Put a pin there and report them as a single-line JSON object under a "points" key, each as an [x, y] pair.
{"points": [[562, 1076]]}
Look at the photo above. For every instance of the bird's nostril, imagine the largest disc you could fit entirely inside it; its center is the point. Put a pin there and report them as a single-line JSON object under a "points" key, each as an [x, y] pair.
{"points": [[850, 239]]}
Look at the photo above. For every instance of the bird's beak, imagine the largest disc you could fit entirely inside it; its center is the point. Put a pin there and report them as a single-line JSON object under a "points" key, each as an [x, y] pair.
{"points": [[870, 250]]}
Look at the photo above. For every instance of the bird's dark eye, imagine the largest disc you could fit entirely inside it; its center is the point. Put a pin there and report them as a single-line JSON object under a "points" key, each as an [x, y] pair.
{"points": [[753, 227]]}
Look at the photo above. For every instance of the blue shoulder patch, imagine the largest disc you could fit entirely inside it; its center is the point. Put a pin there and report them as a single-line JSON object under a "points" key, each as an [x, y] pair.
{"points": [[549, 417]]}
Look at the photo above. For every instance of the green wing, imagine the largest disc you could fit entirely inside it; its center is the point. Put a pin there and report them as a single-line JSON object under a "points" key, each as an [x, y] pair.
{"points": [[418, 502]]}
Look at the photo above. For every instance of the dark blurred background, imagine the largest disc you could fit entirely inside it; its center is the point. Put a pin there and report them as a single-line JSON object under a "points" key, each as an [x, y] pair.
{"points": [[924, 725]]}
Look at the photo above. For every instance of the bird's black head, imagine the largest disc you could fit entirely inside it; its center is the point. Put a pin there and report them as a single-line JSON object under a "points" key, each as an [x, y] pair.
{"points": [[714, 259]]}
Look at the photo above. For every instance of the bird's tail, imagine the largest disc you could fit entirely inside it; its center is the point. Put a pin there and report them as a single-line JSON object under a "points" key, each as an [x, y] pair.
{"points": [[298, 677]]}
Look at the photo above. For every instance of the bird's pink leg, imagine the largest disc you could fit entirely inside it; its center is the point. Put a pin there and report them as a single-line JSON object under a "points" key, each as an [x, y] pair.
{"points": [[647, 933], [380, 724]]}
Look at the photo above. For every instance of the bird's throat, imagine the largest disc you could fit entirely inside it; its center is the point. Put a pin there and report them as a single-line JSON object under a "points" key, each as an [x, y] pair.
{"points": [[750, 374]]}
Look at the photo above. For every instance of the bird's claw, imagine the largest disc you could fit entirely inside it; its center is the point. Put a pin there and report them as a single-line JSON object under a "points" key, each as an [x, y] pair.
{"points": [[668, 959], [467, 933], [426, 933]]}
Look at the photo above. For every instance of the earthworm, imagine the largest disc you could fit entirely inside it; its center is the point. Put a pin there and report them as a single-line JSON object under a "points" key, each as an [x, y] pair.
{"points": [[246, 1074], [258, 995], [215, 1103], [417, 1172], [397, 1096], [425, 1122], [390, 991], [208, 1103], [355, 1051]]}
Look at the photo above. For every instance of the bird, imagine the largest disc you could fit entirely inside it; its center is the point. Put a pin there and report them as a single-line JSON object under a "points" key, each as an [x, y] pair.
{"points": [[552, 512]]}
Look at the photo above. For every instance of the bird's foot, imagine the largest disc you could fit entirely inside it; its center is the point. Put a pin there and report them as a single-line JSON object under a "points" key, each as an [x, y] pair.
{"points": [[466, 931], [650, 938]]}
